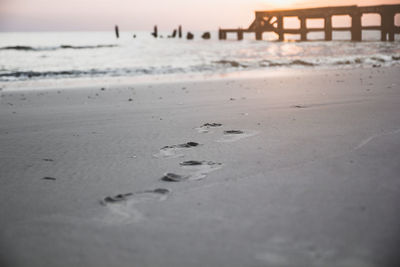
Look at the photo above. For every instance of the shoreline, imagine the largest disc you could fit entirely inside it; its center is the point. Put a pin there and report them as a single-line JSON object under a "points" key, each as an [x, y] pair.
{"points": [[81, 83]]}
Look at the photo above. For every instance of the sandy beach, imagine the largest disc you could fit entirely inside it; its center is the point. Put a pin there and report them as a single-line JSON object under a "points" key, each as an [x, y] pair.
{"points": [[294, 169]]}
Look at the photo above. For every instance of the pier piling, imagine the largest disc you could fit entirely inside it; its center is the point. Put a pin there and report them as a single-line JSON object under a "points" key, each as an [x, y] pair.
{"points": [[240, 34], [259, 35], [280, 32], [180, 31], [303, 29], [356, 28], [155, 32], [116, 31], [328, 28]]}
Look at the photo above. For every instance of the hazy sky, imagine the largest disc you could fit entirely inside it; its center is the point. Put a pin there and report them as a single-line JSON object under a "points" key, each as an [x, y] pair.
{"points": [[30, 15]]}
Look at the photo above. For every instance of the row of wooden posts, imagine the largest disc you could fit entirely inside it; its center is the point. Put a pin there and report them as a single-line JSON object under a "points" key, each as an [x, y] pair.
{"points": [[272, 21], [176, 33]]}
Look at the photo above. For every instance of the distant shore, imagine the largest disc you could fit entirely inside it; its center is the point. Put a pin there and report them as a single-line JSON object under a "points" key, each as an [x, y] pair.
{"points": [[295, 168]]}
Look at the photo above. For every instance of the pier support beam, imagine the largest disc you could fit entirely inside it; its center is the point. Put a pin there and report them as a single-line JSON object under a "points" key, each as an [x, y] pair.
{"points": [[240, 35], [356, 33], [383, 27], [303, 29], [383, 36], [391, 26], [387, 25], [259, 35], [328, 28], [221, 34], [280, 28]]}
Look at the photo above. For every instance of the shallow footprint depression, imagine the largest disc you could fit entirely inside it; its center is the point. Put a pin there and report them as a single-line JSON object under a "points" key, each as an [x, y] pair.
{"points": [[235, 135], [122, 206], [205, 128], [199, 169], [174, 151]]}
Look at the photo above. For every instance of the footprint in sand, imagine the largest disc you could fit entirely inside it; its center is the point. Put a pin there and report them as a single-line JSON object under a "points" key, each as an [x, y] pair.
{"points": [[116, 198], [200, 169], [195, 170], [122, 206], [235, 135], [205, 128], [173, 151], [127, 196], [173, 177]]}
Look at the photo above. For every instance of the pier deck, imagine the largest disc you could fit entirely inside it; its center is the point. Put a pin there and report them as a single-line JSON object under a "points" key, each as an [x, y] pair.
{"points": [[272, 21]]}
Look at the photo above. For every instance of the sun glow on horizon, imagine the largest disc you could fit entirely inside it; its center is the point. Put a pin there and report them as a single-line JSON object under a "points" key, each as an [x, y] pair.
{"points": [[282, 3], [55, 15]]}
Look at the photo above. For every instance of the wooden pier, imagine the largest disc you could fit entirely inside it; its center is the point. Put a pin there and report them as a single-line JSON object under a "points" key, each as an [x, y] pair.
{"points": [[272, 21]]}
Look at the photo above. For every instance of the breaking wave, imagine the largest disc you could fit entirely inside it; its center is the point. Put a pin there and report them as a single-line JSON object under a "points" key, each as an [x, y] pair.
{"points": [[230, 63], [218, 66], [53, 48], [26, 75]]}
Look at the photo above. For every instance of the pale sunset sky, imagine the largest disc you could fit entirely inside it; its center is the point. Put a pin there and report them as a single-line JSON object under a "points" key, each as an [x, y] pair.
{"points": [[65, 15]]}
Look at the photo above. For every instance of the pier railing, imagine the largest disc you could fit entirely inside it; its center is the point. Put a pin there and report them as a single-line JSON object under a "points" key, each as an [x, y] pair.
{"points": [[272, 21]]}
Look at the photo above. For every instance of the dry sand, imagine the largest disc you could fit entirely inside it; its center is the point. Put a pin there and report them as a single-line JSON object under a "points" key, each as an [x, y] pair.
{"points": [[312, 179]]}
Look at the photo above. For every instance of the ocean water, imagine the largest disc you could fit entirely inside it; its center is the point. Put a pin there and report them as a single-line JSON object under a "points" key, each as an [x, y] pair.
{"points": [[67, 56]]}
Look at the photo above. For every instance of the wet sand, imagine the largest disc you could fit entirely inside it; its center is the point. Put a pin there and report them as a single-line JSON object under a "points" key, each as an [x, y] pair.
{"points": [[294, 170]]}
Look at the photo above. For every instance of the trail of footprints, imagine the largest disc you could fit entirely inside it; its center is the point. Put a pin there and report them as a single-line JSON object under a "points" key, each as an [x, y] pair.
{"points": [[193, 170]]}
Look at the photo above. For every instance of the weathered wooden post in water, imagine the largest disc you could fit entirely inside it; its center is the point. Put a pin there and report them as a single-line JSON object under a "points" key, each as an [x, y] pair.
{"points": [[388, 26], [180, 31], [384, 28], [173, 35], [155, 32], [303, 28], [356, 29], [272, 21], [240, 34], [328, 28], [189, 36], [206, 36], [391, 30], [259, 35], [116, 31], [280, 32], [221, 34]]}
